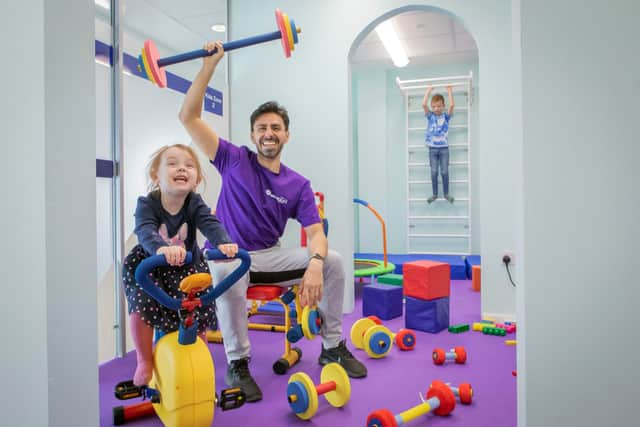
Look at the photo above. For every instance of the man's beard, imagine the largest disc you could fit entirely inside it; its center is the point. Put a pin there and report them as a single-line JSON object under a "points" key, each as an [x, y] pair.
{"points": [[270, 152]]}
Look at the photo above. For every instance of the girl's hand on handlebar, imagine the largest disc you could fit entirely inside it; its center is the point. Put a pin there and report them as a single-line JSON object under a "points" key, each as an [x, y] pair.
{"points": [[173, 254], [229, 249]]}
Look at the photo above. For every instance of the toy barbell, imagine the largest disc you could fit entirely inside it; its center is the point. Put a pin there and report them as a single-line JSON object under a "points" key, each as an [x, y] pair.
{"points": [[459, 354], [302, 393], [152, 66], [440, 399], [376, 340]]}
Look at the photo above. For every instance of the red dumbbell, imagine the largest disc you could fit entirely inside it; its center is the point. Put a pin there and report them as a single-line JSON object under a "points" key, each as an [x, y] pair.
{"points": [[459, 354]]}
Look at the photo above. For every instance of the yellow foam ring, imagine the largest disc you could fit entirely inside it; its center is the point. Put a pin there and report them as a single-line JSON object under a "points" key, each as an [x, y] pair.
{"points": [[287, 25], [358, 329], [336, 373], [147, 69], [415, 412], [310, 388]]}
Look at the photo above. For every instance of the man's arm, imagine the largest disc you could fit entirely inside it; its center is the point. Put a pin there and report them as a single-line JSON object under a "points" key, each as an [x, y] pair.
{"points": [[190, 113], [425, 100], [312, 281], [451, 104]]}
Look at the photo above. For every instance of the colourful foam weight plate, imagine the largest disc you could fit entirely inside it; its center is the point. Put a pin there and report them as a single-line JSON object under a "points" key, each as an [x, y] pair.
{"points": [[381, 418], [461, 355], [375, 319], [284, 38], [445, 396], [307, 322], [294, 30], [287, 25], [311, 395], [377, 341], [466, 393], [358, 329], [336, 373], [145, 67], [405, 339], [151, 53], [439, 356]]}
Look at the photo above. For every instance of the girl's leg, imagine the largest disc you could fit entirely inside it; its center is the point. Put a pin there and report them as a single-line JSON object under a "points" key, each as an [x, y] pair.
{"points": [[142, 335]]}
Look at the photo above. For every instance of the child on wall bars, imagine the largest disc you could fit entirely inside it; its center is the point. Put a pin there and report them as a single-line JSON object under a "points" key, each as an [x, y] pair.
{"points": [[166, 223], [437, 136]]}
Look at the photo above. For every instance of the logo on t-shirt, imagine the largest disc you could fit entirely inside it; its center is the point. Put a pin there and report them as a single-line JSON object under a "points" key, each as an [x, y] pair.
{"points": [[279, 199]]}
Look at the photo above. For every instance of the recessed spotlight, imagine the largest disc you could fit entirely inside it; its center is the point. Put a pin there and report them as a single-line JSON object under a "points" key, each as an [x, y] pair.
{"points": [[218, 28]]}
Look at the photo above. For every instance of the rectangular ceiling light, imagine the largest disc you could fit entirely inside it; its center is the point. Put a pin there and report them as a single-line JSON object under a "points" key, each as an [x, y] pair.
{"points": [[105, 4], [390, 40]]}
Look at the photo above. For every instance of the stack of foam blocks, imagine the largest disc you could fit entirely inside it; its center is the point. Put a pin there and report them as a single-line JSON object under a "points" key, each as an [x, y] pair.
{"points": [[426, 288]]}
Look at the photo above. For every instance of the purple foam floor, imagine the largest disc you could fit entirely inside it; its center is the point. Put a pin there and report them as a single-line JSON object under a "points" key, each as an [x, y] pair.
{"points": [[393, 382]]}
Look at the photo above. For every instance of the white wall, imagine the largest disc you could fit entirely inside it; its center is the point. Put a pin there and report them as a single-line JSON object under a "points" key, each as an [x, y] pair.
{"points": [[580, 88], [150, 120], [315, 85], [48, 193]]}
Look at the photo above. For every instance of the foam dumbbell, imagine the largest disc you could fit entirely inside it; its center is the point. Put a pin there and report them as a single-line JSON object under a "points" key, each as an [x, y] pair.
{"points": [[152, 66], [440, 400], [308, 326], [302, 393], [376, 340], [459, 354]]}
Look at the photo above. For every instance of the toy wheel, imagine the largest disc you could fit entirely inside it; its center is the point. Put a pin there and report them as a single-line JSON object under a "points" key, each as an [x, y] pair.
{"points": [[377, 341], [358, 329], [302, 396], [282, 365], [381, 418], [406, 339], [439, 356], [336, 373], [461, 354], [466, 393], [445, 396]]}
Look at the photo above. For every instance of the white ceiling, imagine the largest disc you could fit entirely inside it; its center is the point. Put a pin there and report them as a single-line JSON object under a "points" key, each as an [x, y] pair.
{"points": [[429, 38]]}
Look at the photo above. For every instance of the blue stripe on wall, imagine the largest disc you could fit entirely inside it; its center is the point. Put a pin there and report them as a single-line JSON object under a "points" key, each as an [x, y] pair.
{"points": [[104, 54], [212, 98], [104, 168]]}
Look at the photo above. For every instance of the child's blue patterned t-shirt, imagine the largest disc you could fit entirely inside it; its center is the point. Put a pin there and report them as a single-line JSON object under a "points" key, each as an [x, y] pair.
{"points": [[437, 130]]}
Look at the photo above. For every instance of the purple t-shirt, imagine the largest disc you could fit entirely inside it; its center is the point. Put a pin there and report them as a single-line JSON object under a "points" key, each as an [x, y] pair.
{"points": [[255, 203]]}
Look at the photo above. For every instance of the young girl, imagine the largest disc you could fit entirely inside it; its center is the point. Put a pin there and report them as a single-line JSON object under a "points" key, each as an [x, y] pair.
{"points": [[166, 223]]}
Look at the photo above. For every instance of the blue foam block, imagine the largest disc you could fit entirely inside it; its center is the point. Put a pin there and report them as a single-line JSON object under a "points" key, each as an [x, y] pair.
{"points": [[384, 301], [456, 262], [428, 316], [468, 262]]}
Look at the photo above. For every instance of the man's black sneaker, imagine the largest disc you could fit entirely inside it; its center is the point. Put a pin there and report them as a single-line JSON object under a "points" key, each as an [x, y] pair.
{"points": [[238, 375], [343, 356]]}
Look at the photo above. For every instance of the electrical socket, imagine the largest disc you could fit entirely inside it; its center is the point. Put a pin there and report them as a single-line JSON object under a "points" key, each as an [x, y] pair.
{"points": [[511, 256]]}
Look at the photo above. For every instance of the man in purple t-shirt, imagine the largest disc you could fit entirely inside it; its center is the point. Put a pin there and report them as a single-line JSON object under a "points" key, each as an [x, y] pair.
{"points": [[259, 194]]}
